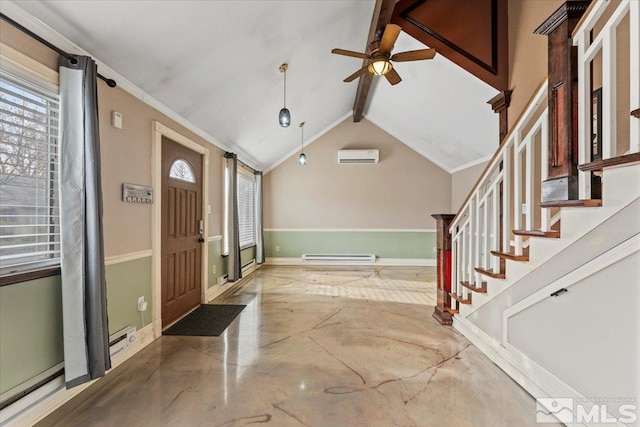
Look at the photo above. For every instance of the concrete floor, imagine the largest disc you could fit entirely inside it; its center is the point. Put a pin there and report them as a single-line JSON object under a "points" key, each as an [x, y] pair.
{"points": [[350, 346]]}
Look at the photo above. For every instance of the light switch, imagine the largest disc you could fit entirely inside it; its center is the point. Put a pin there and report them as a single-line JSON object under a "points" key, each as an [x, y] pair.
{"points": [[116, 119]]}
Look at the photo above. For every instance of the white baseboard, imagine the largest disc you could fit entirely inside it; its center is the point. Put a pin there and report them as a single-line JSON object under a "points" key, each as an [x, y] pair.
{"points": [[217, 290], [384, 262], [37, 405]]}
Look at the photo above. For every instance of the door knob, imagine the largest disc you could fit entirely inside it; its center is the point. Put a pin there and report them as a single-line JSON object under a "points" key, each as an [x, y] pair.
{"points": [[201, 240]]}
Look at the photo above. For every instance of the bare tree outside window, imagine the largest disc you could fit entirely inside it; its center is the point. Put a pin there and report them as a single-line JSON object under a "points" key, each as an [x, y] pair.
{"points": [[29, 226]]}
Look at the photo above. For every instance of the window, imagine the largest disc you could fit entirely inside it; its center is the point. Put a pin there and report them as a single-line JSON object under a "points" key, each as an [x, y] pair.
{"points": [[246, 190], [246, 210], [29, 209], [182, 171]]}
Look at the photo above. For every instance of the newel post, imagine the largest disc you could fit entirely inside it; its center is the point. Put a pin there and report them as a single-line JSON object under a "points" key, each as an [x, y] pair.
{"points": [[443, 244], [562, 181]]}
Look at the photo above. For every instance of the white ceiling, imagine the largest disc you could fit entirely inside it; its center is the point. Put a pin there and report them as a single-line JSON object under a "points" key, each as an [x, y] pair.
{"points": [[215, 63]]}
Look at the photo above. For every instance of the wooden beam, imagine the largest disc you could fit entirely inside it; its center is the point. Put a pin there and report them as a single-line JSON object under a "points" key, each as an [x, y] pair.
{"points": [[381, 17]]}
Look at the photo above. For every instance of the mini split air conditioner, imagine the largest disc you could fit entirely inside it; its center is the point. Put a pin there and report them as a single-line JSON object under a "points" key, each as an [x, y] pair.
{"points": [[358, 156]]}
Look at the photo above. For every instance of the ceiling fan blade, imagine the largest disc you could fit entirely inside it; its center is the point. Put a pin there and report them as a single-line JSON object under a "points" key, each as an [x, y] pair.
{"points": [[414, 55], [391, 33], [349, 53], [393, 77], [355, 75]]}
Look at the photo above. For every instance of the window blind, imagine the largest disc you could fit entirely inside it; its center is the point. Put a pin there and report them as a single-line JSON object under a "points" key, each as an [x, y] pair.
{"points": [[246, 210], [29, 208]]}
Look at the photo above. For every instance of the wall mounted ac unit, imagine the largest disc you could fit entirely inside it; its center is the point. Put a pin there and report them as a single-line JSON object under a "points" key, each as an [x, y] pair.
{"points": [[358, 156]]}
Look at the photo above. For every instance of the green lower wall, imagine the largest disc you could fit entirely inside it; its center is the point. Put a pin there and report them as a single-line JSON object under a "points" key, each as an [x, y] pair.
{"points": [[217, 263], [384, 244], [31, 318], [31, 313], [248, 254], [30, 330], [126, 281]]}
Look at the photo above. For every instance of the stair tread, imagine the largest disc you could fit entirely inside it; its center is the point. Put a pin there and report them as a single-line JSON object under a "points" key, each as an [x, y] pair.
{"points": [[553, 234], [587, 203], [471, 286], [460, 299], [489, 273], [511, 256]]}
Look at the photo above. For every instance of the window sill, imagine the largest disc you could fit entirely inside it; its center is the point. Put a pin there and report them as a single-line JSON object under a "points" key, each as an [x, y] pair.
{"points": [[13, 279]]}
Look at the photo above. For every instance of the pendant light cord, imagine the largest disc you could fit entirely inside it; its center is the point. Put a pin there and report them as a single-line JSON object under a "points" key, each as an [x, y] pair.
{"points": [[285, 88], [302, 139]]}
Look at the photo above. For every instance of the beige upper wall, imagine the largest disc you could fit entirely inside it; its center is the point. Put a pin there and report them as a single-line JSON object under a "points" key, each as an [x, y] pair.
{"points": [[527, 51], [461, 184], [126, 156], [400, 192]]}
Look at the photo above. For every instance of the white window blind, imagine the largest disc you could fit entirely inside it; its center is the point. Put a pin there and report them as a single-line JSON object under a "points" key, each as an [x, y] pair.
{"points": [[29, 209], [246, 210]]}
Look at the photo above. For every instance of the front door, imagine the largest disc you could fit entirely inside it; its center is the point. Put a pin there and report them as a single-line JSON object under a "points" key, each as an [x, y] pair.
{"points": [[181, 230]]}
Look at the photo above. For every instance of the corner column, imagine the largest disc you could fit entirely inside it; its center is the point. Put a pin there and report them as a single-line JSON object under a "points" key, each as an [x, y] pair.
{"points": [[443, 244]]}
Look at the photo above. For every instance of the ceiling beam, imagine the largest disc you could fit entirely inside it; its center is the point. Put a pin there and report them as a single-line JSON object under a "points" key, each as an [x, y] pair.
{"points": [[382, 14]]}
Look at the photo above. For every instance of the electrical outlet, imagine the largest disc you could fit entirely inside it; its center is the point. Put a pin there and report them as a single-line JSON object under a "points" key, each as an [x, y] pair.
{"points": [[435, 249], [213, 269], [140, 300], [277, 248]]}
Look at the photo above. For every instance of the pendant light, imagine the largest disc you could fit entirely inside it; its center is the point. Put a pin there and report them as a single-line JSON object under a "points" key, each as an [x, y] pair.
{"points": [[303, 158], [285, 116]]}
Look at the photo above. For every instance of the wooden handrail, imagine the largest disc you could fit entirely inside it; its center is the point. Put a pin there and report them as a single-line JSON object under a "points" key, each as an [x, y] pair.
{"points": [[598, 165]]}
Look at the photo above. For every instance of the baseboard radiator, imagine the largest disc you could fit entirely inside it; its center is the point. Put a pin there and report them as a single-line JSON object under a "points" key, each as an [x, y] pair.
{"points": [[121, 340], [339, 258]]}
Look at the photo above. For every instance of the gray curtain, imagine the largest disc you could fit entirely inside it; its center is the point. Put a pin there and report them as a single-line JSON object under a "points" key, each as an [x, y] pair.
{"points": [[234, 269], [259, 226], [84, 293]]}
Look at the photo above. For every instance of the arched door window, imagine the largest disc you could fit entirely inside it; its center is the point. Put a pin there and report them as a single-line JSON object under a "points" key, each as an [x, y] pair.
{"points": [[182, 171]]}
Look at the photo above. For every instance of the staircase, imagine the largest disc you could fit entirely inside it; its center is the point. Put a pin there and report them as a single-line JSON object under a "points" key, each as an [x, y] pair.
{"points": [[514, 255]]}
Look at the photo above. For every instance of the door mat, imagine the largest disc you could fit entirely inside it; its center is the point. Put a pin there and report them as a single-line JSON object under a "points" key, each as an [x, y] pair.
{"points": [[208, 320]]}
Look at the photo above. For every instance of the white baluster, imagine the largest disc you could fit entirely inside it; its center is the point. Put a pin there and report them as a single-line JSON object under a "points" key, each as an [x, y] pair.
{"points": [[545, 214], [609, 127], [529, 185], [634, 72], [506, 201], [584, 117], [495, 220], [517, 193]]}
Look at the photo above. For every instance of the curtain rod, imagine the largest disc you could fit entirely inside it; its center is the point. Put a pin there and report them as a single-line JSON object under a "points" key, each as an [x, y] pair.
{"points": [[110, 82]]}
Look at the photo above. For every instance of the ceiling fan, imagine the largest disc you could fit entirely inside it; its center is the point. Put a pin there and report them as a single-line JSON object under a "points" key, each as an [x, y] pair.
{"points": [[380, 56]]}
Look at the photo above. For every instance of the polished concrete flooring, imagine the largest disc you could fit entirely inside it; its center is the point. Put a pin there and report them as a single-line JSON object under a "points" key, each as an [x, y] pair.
{"points": [[350, 346]]}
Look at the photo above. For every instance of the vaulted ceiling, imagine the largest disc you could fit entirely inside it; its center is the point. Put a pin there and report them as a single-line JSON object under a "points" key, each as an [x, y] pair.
{"points": [[215, 63]]}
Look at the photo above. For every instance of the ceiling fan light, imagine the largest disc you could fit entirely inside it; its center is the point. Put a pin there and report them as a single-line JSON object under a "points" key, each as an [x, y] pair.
{"points": [[284, 118], [380, 67], [302, 159]]}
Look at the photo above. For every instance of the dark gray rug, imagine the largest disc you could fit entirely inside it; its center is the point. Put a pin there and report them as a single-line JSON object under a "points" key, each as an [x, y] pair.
{"points": [[208, 320]]}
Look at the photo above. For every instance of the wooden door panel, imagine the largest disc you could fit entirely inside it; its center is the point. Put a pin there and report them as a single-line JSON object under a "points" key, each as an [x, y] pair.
{"points": [[181, 248]]}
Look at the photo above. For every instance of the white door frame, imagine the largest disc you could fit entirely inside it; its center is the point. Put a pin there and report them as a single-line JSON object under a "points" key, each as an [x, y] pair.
{"points": [[159, 130]]}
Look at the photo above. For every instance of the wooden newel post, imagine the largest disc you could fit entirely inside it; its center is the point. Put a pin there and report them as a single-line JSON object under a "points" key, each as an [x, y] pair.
{"points": [[562, 181], [443, 244]]}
